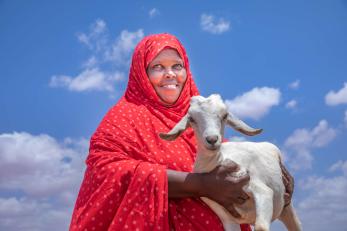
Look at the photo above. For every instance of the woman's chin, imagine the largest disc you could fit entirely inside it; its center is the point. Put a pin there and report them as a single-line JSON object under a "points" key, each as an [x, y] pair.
{"points": [[169, 96], [169, 100]]}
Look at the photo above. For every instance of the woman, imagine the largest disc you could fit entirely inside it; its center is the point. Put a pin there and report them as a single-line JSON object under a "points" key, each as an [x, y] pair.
{"points": [[136, 181]]}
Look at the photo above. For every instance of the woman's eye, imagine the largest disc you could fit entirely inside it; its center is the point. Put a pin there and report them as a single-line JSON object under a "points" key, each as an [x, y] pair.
{"points": [[157, 67], [178, 66]]}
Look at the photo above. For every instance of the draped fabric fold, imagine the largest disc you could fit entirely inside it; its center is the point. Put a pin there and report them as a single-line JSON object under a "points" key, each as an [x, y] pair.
{"points": [[125, 184]]}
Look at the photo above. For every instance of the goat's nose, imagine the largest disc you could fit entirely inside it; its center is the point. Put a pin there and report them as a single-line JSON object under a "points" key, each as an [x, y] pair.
{"points": [[211, 139]]}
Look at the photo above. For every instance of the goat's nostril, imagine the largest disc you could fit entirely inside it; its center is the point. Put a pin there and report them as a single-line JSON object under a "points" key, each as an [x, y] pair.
{"points": [[211, 139]]}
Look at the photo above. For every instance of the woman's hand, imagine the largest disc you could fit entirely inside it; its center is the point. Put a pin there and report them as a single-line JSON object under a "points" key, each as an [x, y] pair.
{"points": [[288, 182], [222, 186]]}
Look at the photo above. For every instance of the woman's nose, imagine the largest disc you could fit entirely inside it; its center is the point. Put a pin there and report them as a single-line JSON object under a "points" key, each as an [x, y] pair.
{"points": [[169, 73]]}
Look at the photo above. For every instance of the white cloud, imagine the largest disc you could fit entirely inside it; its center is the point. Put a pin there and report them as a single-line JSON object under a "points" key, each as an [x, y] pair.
{"points": [[27, 214], [117, 52], [324, 199], [340, 165], [83, 38], [121, 49], [291, 104], [334, 98], [323, 134], [300, 144], [295, 84], [99, 26], [99, 70], [210, 24], [91, 62], [88, 80], [153, 12], [255, 103], [43, 176], [97, 37]]}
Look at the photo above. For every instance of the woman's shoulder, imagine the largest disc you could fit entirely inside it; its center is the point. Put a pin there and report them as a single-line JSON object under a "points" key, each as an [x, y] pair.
{"points": [[124, 108], [123, 113], [120, 117]]}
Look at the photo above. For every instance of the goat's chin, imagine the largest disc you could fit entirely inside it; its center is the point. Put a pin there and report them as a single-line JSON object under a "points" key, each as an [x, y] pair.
{"points": [[212, 147]]}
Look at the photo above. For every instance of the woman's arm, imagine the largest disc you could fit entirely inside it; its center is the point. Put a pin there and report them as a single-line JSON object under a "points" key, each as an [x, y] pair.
{"points": [[219, 185], [183, 184]]}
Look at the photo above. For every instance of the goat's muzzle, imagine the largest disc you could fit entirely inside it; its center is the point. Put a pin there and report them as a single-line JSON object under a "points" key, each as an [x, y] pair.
{"points": [[211, 139], [212, 142]]}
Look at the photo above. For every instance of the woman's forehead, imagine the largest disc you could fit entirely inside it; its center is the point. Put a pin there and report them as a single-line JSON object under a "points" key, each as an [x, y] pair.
{"points": [[155, 44], [167, 54]]}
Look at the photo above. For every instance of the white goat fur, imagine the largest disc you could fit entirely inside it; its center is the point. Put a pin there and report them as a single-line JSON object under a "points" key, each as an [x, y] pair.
{"points": [[207, 116]]}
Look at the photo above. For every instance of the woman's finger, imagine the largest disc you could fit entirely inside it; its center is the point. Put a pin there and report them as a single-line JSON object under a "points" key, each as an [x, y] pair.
{"points": [[233, 211], [231, 166], [239, 201], [244, 196], [244, 180]]}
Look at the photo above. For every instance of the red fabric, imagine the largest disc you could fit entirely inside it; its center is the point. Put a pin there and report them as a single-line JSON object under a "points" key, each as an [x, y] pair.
{"points": [[125, 184]]}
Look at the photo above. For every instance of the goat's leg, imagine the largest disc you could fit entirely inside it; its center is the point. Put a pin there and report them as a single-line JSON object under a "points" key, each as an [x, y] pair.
{"points": [[228, 223], [263, 198], [290, 219]]}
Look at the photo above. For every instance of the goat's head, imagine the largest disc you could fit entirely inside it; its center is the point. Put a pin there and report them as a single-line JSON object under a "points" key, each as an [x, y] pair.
{"points": [[207, 117]]}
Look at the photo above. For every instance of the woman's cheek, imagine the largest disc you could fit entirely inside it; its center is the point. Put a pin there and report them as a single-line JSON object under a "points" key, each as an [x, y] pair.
{"points": [[182, 77], [155, 79]]}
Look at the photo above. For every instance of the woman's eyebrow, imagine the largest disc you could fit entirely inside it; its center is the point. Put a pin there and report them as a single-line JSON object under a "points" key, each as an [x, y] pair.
{"points": [[178, 60]]}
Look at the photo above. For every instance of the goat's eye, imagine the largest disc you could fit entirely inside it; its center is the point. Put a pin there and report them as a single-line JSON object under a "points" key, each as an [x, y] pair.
{"points": [[225, 116], [191, 119]]}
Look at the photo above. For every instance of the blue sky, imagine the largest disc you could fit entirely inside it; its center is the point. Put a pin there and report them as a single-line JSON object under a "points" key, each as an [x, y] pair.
{"points": [[279, 65]]}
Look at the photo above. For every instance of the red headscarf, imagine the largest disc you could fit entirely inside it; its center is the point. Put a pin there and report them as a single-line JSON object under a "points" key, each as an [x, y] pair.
{"points": [[125, 184]]}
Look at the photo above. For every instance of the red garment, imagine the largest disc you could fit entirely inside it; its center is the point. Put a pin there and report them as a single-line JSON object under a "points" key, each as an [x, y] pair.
{"points": [[125, 185]]}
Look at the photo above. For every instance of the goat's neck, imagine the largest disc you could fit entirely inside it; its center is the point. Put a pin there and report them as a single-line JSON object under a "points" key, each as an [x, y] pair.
{"points": [[206, 160]]}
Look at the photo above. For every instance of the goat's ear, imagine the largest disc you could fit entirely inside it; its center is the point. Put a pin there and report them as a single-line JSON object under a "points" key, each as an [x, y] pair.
{"points": [[182, 125], [240, 126]]}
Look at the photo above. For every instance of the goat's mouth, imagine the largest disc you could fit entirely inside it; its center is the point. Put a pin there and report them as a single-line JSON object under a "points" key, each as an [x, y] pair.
{"points": [[212, 147]]}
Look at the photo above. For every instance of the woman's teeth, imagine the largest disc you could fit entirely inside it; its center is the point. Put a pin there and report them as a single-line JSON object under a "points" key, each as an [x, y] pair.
{"points": [[171, 86]]}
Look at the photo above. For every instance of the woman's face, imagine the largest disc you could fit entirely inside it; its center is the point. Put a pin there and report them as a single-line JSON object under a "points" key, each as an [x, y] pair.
{"points": [[167, 75]]}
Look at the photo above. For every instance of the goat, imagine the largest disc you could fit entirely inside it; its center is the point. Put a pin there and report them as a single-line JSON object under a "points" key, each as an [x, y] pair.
{"points": [[207, 117]]}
